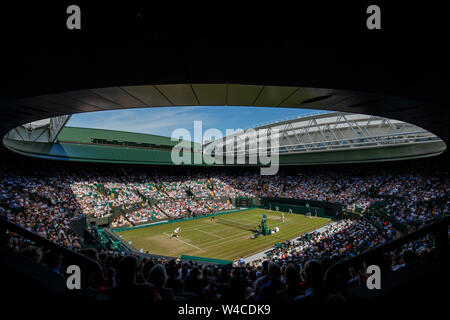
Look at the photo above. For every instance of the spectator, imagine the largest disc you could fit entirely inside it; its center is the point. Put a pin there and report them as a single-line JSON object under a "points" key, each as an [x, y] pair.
{"points": [[313, 274], [158, 277], [32, 252], [127, 288], [269, 290], [292, 285]]}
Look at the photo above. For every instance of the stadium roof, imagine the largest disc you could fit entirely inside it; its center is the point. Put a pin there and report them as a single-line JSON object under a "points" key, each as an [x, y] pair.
{"points": [[322, 138], [85, 135], [424, 114], [336, 131]]}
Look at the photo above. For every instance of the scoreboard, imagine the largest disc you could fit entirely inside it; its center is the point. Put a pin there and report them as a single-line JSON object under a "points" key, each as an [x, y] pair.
{"points": [[244, 202]]}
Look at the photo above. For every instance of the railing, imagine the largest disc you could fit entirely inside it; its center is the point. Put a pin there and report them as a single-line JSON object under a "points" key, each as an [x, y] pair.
{"points": [[90, 269]]}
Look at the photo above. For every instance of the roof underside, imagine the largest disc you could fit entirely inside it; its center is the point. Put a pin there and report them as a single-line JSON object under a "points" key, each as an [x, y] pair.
{"points": [[328, 132]]}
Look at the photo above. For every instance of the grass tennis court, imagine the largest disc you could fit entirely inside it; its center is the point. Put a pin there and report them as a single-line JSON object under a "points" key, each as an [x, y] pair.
{"points": [[204, 238]]}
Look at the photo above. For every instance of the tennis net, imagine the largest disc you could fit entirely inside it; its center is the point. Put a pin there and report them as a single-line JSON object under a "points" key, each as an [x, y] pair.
{"points": [[236, 224]]}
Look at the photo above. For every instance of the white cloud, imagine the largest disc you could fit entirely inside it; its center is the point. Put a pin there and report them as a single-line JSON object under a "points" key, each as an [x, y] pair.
{"points": [[163, 121], [152, 121]]}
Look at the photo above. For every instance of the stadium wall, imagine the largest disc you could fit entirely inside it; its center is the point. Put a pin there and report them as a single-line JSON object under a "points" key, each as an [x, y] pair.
{"points": [[330, 210], [208, 260]]}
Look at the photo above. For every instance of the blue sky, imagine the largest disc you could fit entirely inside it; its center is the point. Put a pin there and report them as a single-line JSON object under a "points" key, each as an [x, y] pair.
{"points": [[162, 121]]}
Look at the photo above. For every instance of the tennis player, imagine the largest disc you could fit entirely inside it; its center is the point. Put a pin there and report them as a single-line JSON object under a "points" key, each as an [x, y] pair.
{"points": [[176, 232]]}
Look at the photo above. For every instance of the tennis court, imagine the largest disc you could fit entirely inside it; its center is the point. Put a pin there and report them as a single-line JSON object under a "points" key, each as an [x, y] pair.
{"points": [[227, 237]]}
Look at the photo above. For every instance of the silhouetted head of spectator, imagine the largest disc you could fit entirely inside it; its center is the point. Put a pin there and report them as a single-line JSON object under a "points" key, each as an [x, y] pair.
{"points": [[115, 262], [292, 276], [171, 262], [244, 273], [313, 274], [265, 265], [172, 271], [274, 271], [218, 273], [90, 253], [205, 272], [252, 275], [195, 273], [128, 268], [145, 260], [158, 276], [32, 252], [108, 261], [147, 267], [184, 271], [52, 259]]}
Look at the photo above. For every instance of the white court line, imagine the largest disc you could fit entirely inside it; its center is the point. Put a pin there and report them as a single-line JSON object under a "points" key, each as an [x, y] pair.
{"points": [[228, 239], [184, 242], [211, 234], [218, 242], [200, 226], [233, 237], [212, 224]]}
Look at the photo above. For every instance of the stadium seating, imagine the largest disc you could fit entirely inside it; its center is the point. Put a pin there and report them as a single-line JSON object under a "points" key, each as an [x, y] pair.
{"points": [[41, 206]]}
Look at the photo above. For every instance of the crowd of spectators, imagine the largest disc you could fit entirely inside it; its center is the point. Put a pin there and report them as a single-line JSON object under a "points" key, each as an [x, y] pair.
{"points": [[90, 201], [144, 214], [119, 222], [46, 201], [41, 204], [283, 277], [344, 238]]}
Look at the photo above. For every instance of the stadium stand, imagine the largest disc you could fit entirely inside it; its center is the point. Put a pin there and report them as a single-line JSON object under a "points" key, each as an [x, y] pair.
{"points": [[401, 213]]}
